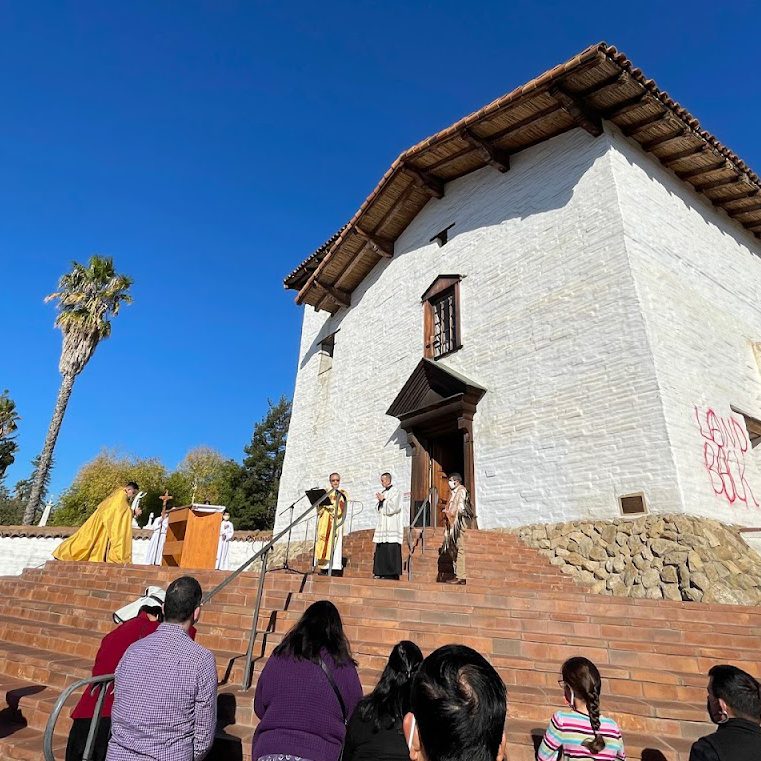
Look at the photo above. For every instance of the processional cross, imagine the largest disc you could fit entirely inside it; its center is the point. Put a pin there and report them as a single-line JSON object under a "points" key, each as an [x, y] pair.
{"points": [[165, 497]]}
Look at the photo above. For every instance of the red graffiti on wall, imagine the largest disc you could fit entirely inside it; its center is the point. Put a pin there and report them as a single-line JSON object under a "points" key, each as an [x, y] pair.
{"points": [[724, 448]]}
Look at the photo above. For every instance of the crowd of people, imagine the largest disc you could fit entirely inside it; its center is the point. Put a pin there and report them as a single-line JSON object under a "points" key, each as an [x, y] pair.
{"points": [[448, 706]]}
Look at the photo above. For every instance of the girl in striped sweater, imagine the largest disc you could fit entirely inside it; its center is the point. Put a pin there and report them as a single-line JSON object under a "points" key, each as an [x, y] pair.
{"points": [[580, 731]]}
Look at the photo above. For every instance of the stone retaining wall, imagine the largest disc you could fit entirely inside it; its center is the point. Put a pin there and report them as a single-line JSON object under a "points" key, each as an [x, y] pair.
{"points": [[676, 557]]}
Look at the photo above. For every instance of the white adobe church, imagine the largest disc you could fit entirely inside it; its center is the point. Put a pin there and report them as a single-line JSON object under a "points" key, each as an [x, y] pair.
{"points": [[558, 296]]}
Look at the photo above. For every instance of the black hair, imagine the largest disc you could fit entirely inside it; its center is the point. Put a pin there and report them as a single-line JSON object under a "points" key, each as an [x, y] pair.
{"points": [[387, 474], [738, 689], [456, 476], [583, 677], [182, 597], [460, 702], [153, 610], [387, 704], [132, 485], [319, 628]]}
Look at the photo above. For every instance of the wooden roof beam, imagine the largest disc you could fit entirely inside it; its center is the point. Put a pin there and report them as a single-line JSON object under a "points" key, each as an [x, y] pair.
{"points": [[689, 174], [669, 161], [747, 210], [380, 245], [611, 81], [624, 106], [719, 184], [740, 196], [578, 110], [428, 182], [340, 297], [646, 122], [492, 155], [655, 142]]}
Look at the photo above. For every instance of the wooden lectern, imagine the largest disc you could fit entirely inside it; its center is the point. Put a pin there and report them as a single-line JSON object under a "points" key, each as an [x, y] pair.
{"points": [[192, 537]]}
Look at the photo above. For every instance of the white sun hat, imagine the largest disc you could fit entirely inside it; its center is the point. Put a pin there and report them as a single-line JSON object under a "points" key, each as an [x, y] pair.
{"points": [[154, 596]]}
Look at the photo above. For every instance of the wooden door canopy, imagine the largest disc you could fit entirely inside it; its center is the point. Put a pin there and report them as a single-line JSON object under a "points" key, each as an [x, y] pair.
{"points": [[434, 391]]}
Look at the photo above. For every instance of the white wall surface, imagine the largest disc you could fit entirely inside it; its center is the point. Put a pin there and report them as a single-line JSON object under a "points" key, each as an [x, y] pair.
{"points": [[20, 552], [698, 278], [551, 326]]}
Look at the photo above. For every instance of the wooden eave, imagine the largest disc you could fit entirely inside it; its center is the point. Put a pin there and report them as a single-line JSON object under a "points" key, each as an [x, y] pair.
{"points": [[598, 84]]}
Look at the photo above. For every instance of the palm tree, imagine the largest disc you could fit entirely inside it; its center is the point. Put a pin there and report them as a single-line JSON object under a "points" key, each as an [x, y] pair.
{"points": [[87, 297]]}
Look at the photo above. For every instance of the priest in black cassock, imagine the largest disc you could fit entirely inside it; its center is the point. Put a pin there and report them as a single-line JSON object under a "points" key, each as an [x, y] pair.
{"points": [[388, 537]]}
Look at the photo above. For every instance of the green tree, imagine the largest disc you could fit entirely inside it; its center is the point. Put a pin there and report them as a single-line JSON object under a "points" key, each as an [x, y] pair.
{"points": [[254, 495], [87, 297], [8, 425], [23, 488], [11, 509], [99, 477]]}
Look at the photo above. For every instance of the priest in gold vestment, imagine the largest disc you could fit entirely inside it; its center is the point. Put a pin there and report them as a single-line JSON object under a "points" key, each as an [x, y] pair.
{"points": [[106, 536], [328, 516]]}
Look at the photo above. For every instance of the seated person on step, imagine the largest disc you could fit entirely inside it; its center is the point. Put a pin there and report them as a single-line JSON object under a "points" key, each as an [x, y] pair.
{"points": [[458, 706], [581, 731], [112, 648], [734, 703], [375, 730]]}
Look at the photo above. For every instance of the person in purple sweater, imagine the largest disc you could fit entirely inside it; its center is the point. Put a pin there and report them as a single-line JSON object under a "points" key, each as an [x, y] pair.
{"points": [[297, 696]]}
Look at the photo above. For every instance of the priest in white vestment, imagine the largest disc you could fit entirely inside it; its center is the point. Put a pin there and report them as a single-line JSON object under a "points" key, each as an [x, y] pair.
{"points": [[389, 534], [156, 544], [226, 531]]}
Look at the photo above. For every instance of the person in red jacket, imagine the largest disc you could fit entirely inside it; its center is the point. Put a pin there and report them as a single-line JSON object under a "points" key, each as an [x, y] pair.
{"points": [[112, 648]]}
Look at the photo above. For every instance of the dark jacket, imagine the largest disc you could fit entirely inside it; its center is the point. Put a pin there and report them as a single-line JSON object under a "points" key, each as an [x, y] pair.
{"points": [[735, 740]]}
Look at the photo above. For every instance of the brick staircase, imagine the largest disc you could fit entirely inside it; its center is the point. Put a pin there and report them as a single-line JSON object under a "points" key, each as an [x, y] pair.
{"points": [[520, 612]]}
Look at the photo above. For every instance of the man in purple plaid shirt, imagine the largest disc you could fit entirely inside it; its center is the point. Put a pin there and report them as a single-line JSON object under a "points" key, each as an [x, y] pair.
{"points": [[165, 695]]}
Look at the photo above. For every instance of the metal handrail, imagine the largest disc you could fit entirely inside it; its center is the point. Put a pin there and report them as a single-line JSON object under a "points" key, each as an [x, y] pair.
{"points": [[427, 502], [261, 553], [354, 512], [47, 741]]}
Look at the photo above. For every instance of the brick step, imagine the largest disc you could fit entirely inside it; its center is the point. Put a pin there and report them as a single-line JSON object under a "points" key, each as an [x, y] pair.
{"points": [[139, 573], [84, 643], [131, 584], [535, 646], [130, 580], [111, 600], [498, 622], [567, 601], [60, 670], [214, 620]]}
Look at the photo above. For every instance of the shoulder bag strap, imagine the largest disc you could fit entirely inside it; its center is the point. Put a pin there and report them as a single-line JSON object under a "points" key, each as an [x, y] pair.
{"points": [[335, 689]]}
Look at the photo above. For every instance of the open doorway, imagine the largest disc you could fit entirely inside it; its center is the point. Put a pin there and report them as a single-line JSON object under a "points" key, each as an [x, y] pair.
{"points": [[436, 455], [435, 407], [447, 456]]}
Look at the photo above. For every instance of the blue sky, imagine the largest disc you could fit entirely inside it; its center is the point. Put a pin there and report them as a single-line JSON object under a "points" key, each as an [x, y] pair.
{"points": [[210, 146]]}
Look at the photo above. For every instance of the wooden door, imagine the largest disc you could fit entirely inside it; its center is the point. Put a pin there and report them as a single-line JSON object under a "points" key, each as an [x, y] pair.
{"points": [[439, 478]]}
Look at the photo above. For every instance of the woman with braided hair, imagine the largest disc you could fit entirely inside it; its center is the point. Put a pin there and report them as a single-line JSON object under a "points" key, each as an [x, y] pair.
{"points": [[581, 731]]}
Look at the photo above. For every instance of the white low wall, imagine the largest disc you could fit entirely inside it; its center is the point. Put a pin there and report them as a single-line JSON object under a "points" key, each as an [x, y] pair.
{"points": [[31, 547]]}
